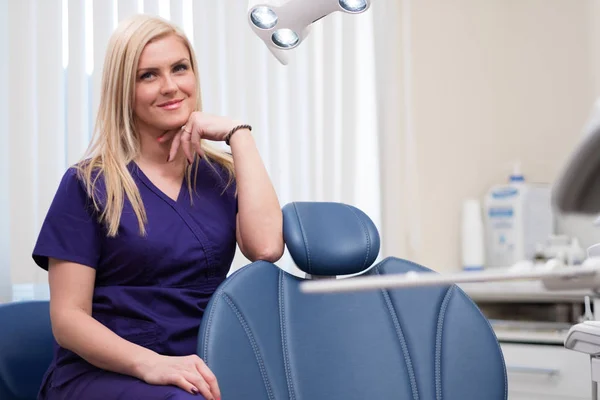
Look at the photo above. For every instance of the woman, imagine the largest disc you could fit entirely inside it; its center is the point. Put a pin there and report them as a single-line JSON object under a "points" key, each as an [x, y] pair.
{"points": [[144, 229]]}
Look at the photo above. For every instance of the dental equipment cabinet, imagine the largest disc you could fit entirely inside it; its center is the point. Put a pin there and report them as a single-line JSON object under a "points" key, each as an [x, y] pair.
{"points": [[532, 323]]}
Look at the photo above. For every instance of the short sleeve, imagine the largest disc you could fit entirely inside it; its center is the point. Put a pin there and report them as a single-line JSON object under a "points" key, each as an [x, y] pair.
{"points": [[70, 231]]}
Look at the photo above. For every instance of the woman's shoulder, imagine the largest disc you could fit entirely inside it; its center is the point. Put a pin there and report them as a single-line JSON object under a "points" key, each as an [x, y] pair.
{"points": [[80, 177], [72, 178]]}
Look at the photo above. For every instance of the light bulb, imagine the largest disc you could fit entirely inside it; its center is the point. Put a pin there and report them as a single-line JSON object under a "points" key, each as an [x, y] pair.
{"points": [[285, 38], [263, 17], [354, 6]]}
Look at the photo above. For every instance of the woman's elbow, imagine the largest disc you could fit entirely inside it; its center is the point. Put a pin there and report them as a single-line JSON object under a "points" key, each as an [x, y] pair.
{"points": [[62, 321], [270, 253], [58, 331]]}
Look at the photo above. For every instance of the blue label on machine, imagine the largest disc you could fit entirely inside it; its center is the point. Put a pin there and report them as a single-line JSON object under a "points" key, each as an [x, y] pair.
{"points": [[500, 212], [504, 193]]}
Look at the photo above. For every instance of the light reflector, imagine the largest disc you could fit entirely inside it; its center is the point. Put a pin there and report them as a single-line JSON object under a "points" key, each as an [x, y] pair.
{"points": [[354, 6], [285, 38], [263, 17]]}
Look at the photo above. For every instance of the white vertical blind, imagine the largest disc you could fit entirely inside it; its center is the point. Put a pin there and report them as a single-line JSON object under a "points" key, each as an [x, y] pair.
{"points": [[102, 29], [150, 7], [393, 107], [22, 128], [206, 42], [77, 104], [5, 281], [176, 11], [50, 101], [317, 146], [126, 8], [315, 120]]}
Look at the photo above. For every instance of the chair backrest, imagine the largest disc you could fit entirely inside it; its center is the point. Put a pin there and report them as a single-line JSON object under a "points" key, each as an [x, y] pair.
{"points": [[26, 346], [265, 339]]}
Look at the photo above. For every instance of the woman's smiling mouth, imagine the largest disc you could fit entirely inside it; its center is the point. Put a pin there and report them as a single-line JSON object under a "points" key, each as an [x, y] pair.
{"points": [[171, 105]]}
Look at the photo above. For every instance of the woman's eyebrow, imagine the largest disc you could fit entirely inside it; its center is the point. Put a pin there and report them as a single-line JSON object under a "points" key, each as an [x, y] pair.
{"points": [[155, 68]]}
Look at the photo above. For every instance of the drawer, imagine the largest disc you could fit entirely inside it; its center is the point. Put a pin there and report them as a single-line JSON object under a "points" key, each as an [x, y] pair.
{"points": [[546, 371]]}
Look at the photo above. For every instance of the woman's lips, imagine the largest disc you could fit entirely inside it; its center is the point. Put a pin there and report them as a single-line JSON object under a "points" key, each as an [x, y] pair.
{"points": [[171, 105]]}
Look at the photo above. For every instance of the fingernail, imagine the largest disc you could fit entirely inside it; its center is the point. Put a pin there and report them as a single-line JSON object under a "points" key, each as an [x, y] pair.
{"points": [[194, 390], [169, 158]]}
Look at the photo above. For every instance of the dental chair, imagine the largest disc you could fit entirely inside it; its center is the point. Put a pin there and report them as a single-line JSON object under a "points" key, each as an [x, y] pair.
{"points": [[265, 339], [25, 348]]}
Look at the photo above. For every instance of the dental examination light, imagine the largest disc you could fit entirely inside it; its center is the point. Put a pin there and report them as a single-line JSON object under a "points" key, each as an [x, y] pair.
{"points": [[284, 24]]}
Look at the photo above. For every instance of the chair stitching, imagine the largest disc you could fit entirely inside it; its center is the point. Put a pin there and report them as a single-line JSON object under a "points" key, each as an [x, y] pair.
{"points": [[304, 238], [255, 348], [209, 326], [284, 341], [218, 294], [497, 344], [366, 231], [403, 345], [438, 343]]}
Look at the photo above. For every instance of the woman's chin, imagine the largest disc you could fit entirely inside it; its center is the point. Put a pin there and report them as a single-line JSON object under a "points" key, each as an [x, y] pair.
{"points": [[175, 120], [171, 125]]}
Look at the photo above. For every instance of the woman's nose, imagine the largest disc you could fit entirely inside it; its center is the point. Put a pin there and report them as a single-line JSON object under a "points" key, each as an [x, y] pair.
{"points": [[168, 85]]}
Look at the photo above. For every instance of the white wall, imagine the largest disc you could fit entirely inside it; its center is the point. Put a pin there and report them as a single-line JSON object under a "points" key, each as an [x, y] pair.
{"points": [[493, 81]]}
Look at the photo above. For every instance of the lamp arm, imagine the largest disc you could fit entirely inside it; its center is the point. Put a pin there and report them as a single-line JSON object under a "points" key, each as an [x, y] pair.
{"points": [[554, 274]]}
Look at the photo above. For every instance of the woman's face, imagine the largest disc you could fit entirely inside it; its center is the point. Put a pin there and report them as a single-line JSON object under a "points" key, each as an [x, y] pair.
{"points": [[165, 92]]}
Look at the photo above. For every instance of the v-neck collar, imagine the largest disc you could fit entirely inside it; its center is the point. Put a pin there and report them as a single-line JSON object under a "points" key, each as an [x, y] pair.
{"points": [[133, 167]]}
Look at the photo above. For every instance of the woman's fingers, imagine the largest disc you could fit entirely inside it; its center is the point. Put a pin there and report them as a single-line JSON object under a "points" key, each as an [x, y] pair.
{"points": [[186, 144], [185, 384], [196, 144], [199, 383], [209, 377], [195, 139], [195, 136], [175, 146]]}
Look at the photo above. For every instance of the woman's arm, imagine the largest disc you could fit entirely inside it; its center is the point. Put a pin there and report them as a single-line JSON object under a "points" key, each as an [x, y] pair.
{"points": [[259, 227], [74, 328], [259, 221]]}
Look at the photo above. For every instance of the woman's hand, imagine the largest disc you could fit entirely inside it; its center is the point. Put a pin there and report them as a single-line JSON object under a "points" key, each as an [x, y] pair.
{"points": [[190, 373], [199, 126]]}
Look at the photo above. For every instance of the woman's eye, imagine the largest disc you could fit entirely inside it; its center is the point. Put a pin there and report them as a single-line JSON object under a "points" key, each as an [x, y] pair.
{"points": [[180, 67], [147, 75]]}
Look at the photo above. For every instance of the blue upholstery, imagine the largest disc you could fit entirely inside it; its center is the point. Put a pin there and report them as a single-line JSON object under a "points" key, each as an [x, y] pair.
{"points": [[25, 348], [329, 238], [264, 339]]}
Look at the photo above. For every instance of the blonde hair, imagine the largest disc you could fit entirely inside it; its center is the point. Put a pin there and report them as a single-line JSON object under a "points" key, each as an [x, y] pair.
{"points": [[115, 142]]}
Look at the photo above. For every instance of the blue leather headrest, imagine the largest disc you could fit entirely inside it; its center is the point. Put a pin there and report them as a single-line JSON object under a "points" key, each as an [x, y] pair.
{"points": [[329, 238]]}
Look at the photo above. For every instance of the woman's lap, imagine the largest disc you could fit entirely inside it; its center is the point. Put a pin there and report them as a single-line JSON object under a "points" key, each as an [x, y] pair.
{"points": [[103, 385]]}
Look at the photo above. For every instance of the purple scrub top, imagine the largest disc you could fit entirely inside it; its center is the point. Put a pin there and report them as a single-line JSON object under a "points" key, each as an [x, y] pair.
{"points": [[149, 290]]}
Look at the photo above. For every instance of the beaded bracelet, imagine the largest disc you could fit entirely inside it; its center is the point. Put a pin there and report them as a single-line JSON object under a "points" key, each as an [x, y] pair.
{"points": [[234, 130]]}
